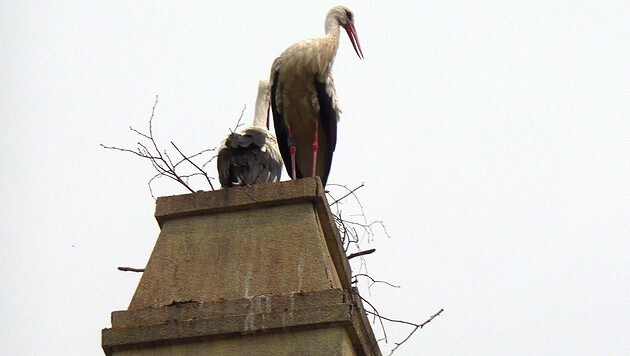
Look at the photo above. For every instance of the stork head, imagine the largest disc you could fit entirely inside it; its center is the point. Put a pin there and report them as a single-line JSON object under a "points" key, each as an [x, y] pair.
{"points": [[342, 16]]}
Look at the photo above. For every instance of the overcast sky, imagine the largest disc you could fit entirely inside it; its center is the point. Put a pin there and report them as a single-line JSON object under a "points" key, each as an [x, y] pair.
{"points": [[493, 138]]}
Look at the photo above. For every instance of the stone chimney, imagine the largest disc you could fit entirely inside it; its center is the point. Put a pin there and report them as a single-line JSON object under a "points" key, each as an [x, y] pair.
{"points": [[245, 271]]}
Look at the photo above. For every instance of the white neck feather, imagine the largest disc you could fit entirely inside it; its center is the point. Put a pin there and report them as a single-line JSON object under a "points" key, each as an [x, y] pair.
{"points": [[331, 26], [263, 100]]}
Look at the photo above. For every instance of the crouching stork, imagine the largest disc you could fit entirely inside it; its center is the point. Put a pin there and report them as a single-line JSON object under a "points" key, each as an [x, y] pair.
{"points": [[251, 155]]}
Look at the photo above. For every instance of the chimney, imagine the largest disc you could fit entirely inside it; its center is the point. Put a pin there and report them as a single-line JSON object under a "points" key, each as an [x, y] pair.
{"points": [[245, 271]]}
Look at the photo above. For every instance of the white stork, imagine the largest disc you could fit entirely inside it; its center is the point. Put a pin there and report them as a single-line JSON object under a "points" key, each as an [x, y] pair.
{"points": [[303, 99], [251, 155]]}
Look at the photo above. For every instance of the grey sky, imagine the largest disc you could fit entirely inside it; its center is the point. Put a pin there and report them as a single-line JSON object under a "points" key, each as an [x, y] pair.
{"points": [[493, 139]]}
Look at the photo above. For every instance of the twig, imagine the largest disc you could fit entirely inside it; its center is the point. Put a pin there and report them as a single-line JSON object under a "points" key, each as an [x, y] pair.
{"points": [[368, 227], [374, 280], [211, 159], [140, 133], [238, 123], [361, 253], [196, 154], [130, 269], [354, 195], [376, 311], [151, 124], [151, 188], [244, 189], [161, 160], [196, 166], [349, 230], [350, 192], [418, 326], [349, 236], [125, 150], [392, 320]]}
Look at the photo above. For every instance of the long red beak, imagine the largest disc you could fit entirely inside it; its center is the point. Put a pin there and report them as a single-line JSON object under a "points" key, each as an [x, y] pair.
{"points": [[352, 33]]}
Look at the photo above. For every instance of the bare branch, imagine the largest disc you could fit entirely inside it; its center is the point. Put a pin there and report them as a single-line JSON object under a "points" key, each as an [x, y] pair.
{"points": [[376, 313], [200, 153], [196, 166], [139, 133], [361, 253], [244, 189], [130, 269], [149, 184], [177, 178], [418, 326], [211, 159], [125, 150], [151, 124], [186, 176], [350, 192], [392, 320], [374, 280], [161, 161], [353, 194], [168, 161], [238, 123]]}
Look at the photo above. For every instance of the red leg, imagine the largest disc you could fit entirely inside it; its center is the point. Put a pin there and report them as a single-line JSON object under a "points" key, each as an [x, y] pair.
{"points": [[315, 147]]}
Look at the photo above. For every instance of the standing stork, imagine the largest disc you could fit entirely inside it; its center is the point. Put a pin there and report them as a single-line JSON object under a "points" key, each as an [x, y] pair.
{"points": [[303, 99], [251, 155]]}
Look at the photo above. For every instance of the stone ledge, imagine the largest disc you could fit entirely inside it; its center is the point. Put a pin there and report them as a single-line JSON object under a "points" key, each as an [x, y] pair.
{"points": [[191, 322], [237, 198], [190, 310]]}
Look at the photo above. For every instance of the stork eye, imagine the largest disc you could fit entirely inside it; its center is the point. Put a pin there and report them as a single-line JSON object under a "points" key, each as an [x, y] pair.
{"points": [[349, 16]]}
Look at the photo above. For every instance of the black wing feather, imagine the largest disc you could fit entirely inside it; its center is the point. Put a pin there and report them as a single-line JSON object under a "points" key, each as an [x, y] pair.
{"points": [[328, 119], [248, 157], [278, 124]]}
